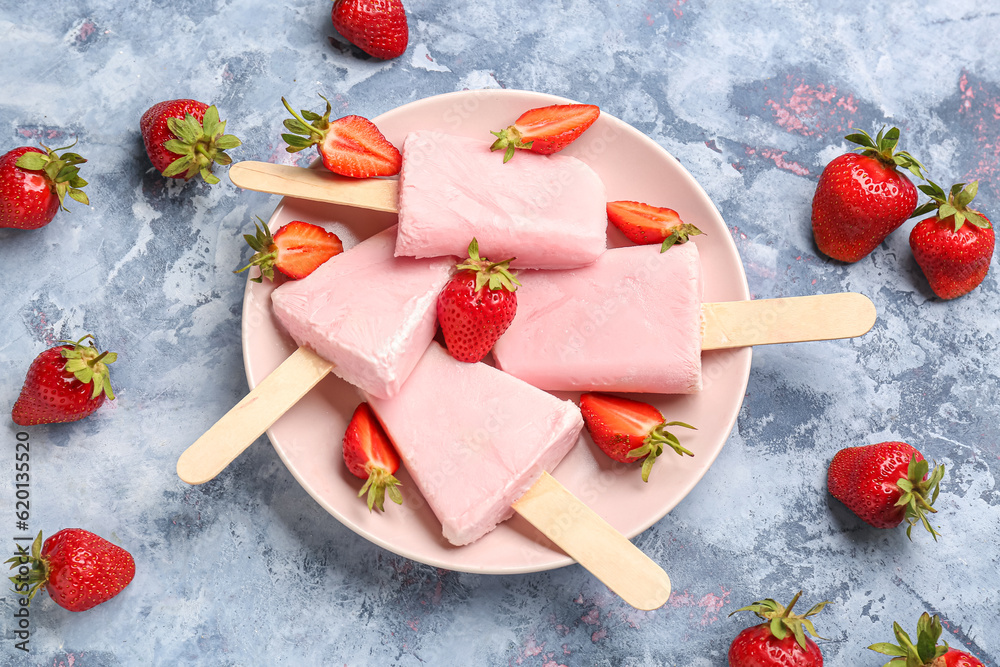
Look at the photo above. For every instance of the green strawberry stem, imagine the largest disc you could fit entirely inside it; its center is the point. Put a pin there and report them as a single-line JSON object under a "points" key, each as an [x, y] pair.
{"points": [[652, 446], [199, 145], [915, 491], [266, 252], [508, 140], [88, 365], [39, 572], [908, 654], [883, 149], [308, 129], [680, 234], [60, 169], [379, 483], [496, 275], [955, 203], [781, 620]]}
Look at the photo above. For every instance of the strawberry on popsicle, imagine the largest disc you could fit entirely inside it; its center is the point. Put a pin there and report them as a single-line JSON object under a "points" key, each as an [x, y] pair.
{"points": [[545, 130]]}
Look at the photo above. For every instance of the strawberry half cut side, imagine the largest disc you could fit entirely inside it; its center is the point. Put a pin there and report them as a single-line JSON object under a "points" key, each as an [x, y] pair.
{"points": [[296, 249], [371, 456], [645, 224], [545, 130], [628, 430], [350, 146]]}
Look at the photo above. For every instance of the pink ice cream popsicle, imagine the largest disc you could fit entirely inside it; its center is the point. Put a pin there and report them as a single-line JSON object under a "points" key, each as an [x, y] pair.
{"points": [[474, 439], [631, 321], [370, 314], [548, 211]]}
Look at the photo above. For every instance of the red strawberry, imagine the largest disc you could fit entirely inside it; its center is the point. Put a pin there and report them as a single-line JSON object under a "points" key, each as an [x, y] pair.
{"points": [[349, 146], [862, 198], [64, 384], [545, 130], [628, 430], [370, 455], [34, 185], [924, 652], [953, 255], [476, 305], [779, 642], [885, 483], [377, 27], [296, 249], [646, 225], [183, 138], [79, 569]]}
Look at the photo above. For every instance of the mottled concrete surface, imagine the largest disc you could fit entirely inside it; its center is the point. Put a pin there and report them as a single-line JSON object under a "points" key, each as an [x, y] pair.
{"points": [[752, 97]]}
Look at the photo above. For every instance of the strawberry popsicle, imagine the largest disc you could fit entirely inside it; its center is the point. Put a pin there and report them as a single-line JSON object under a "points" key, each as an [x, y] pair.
{"points": [[369, 313], [631, 321], [548, 211], [474, 439]]}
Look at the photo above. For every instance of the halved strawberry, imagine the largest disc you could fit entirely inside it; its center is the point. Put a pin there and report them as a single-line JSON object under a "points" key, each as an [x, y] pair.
{"points": [[545, 130], [349, 146], [296, 249], [370, 455], [628, 430], [645, 224]]}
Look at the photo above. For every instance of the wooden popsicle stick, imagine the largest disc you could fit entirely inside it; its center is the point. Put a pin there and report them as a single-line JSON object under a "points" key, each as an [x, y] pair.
{"points": [[238, 428], [594, 543], [378, 194], [796, 319]]}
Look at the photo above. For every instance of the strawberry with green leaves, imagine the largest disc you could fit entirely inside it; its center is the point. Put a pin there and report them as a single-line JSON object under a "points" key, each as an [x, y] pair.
{"points": [[477, 305], [545, 130], [64, 384], [295, 250], [77, 568], [780, 641], [350, 146], [184, 138], [628, 430], [886, 483], [370, 455], [645, 224], [34, 185], [862, 197], [925, 652], [953, 247], [377, 27]]}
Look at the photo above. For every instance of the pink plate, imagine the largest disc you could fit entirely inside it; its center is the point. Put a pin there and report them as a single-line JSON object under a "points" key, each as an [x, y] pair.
{"points": [[308, 437]]}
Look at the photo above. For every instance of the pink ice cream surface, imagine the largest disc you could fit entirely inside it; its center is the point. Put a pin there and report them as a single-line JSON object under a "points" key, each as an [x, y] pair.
{"points": [[629, 322], [474, 439], [547, 211], [369, 313]]}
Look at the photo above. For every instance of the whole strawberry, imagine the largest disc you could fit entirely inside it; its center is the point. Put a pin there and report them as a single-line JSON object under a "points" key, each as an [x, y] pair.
{"points": [[377, 27], [954, 247], [476, 305], [885, 483], [350, 146], [79, 569], [64, 384], [628, 430], [862, 197], [184, 138], [370, 455], [34, 185], [780, 641], [924, 652]]}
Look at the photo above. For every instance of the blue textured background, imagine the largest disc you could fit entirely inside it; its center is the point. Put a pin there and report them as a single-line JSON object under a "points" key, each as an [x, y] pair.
{"points": [[752, 97]]}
